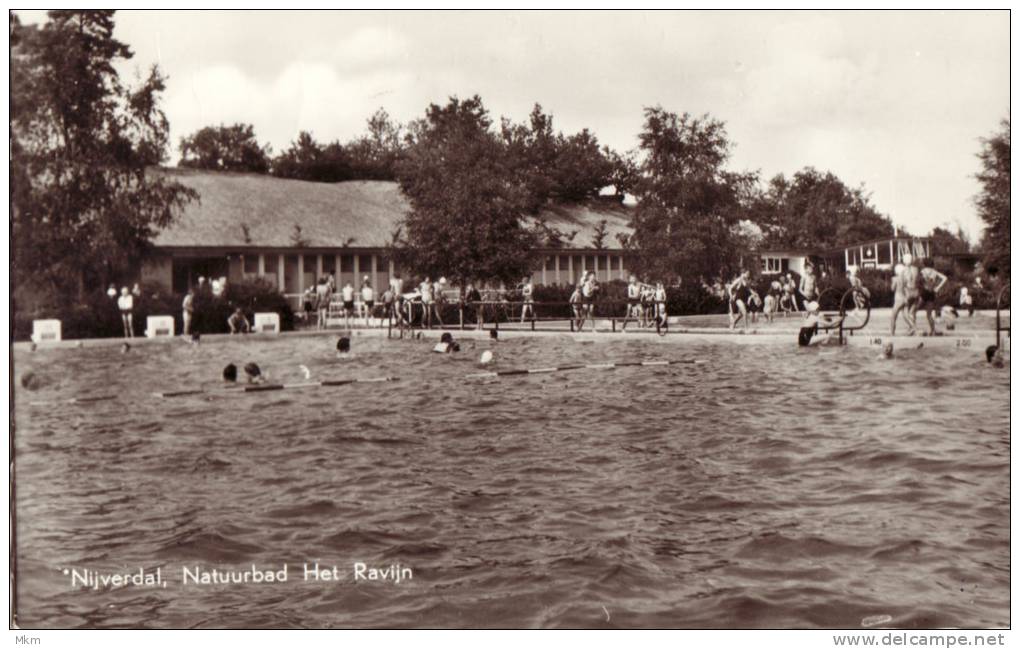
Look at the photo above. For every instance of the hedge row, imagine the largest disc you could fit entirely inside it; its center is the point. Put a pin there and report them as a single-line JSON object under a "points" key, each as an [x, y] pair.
{"points": [[99, 317]]}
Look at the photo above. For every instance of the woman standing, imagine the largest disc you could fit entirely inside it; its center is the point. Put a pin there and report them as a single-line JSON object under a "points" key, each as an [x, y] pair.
{"points": [[126, 304]]}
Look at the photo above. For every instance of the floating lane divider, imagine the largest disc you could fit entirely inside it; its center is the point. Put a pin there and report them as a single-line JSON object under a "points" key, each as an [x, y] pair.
{"points": [[103, 397], [589, 366], [315, 384]]}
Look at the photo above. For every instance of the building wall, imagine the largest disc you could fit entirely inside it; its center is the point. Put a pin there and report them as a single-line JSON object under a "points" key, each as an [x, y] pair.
{"points": [[158, 269]]}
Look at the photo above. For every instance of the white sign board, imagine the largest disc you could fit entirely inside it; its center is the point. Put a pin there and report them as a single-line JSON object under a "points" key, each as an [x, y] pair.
{"points": [[45, 330], [267, 323], [157, 326]]}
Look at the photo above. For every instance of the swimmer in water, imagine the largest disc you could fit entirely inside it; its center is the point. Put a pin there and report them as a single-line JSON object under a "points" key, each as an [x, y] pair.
{"points": [[254, 373], [343, 347], [230, 373], [809, 329]]}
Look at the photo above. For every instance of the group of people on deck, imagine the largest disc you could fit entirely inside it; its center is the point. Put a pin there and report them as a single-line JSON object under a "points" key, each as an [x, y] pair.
{"points": [[915, 289], [784, 294]]}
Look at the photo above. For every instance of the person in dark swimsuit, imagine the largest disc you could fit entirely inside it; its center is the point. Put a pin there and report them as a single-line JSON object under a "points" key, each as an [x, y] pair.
{"points": [[740, 292]]}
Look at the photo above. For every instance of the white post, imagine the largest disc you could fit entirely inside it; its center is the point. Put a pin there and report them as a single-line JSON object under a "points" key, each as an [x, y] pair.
{"points": [[375, 271], [357, 271], [318, 266], [570, 268], [262, 264], [279, 272], [545, 262], [301, 273], [846, 258], [556, 261]]}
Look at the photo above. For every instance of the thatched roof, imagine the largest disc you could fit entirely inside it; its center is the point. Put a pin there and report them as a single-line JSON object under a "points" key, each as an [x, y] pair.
{"points": [[238, 210]]}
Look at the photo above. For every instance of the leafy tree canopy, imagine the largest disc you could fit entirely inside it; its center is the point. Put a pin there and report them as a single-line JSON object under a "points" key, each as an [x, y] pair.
{"points": [[84, 204], [225, 148], [993, 201], [468, 208], [815, 210], [686, 224]]}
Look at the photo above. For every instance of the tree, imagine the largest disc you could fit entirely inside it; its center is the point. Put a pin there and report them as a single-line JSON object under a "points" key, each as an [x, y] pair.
{"points": [[467, 209], [944, 240], [558, 168], [816, 211], [375, 155], [685, 223], [306, 159], [225, 148], [993, 201], [84, 201]]}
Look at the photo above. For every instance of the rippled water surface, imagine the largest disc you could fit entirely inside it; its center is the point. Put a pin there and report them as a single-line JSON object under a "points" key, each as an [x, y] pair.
{"points": [[767, 487]]}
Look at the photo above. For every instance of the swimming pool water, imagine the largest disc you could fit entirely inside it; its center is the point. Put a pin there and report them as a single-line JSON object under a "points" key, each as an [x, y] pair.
{"points": [[769, 486]]}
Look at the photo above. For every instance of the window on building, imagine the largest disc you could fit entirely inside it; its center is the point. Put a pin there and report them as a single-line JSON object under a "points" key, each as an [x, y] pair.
{"points": [[311, 263], [251, 264], [771, 265], [365, 264], [271, 264], [346, 263], [328, 264]]}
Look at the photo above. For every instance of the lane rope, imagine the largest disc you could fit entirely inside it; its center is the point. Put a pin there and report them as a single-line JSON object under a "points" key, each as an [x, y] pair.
{"points": [[588, 366], [275, 387]]}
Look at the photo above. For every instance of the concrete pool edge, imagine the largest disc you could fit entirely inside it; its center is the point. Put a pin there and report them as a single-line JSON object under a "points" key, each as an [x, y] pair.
{"points": [[973, 341]]}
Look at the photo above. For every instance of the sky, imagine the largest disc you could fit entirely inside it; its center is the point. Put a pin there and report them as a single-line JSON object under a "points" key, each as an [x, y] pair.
{"points": [[896, 101]]}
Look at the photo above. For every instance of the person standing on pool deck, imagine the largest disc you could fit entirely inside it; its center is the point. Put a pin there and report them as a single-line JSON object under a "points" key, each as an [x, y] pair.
{"points": [[661, 319], [347, 295], [527, 292], [633, 302], [367, 299], [576, 305], [931, 282], [323, 294], [808, 284], [791, 290], [238, 323], [588, 290], [861, 293], [739, 292], [966, 301], [425, 290], [188, 307], [126, 304], [905, 294]]}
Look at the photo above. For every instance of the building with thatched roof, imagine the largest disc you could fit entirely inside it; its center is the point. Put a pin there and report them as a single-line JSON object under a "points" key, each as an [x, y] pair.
{"points": [[292, 232]]}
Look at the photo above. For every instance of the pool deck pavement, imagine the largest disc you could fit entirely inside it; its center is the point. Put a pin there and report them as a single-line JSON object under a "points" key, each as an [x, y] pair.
{"points": [[971, 333]]}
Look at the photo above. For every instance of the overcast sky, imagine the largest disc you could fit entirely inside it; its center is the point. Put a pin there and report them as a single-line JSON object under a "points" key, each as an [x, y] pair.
{"points": [[894, 100]]}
